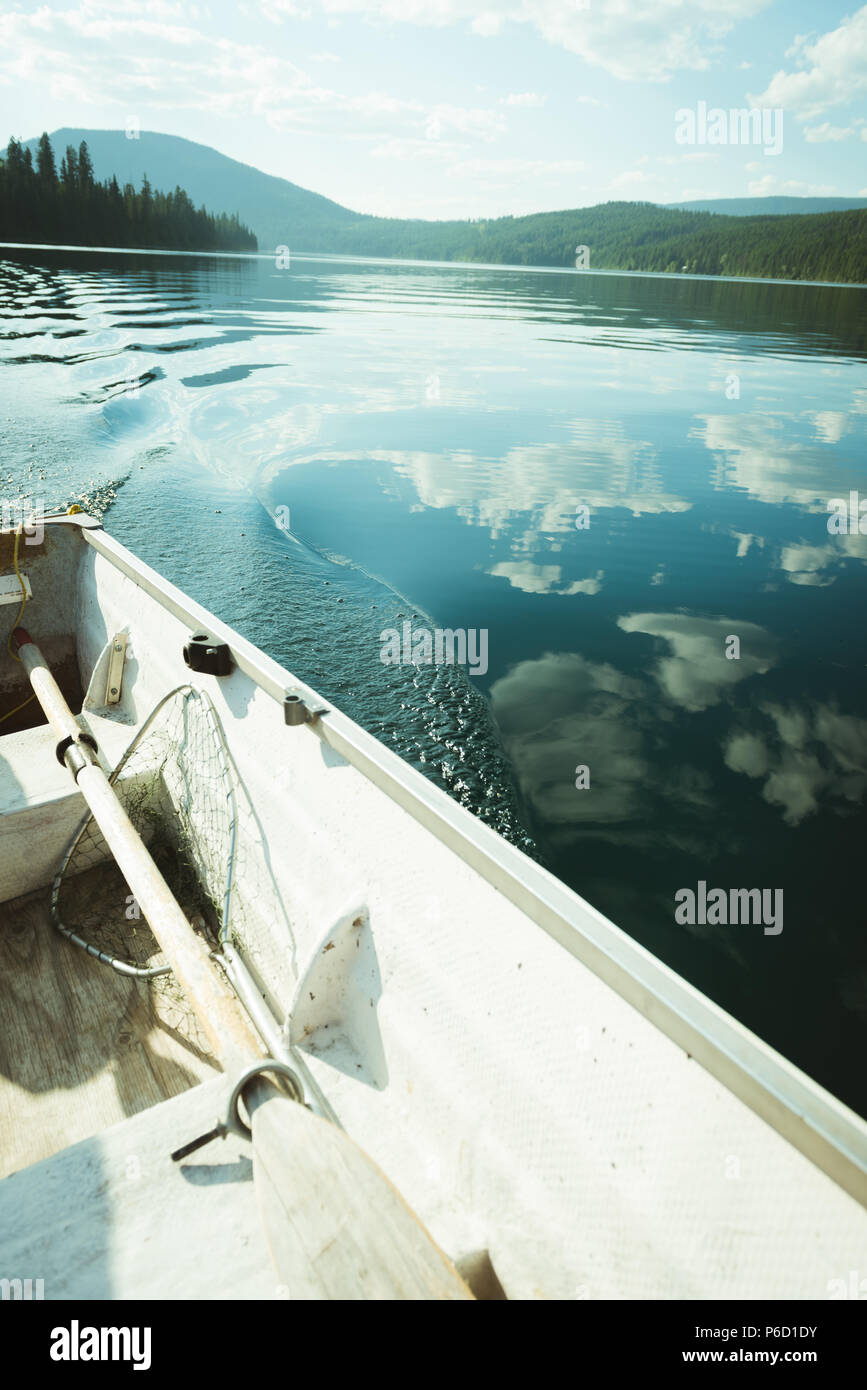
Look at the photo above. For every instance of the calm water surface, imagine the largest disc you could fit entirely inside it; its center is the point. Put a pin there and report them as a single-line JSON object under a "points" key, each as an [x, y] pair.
{"points": [[433, 432]]}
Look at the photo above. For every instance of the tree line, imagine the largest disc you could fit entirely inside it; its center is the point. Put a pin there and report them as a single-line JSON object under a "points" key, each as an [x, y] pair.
{"points": [[627, 236], [38, 204]]}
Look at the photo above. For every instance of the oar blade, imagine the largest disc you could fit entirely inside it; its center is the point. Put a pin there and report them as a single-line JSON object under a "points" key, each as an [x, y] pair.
{"points": [[336, 1226]]}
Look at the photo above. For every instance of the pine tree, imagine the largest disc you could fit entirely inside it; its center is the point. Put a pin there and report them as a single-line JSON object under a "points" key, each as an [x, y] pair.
{"points": [[85, 168], [69, 170], [45, 162]]}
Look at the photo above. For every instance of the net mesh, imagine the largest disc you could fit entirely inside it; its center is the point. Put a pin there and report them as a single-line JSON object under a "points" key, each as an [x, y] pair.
{"points": [[180, 790]]}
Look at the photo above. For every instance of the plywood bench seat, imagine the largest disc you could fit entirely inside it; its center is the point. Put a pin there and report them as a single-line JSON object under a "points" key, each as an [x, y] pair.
{"points": [[39, 805]]}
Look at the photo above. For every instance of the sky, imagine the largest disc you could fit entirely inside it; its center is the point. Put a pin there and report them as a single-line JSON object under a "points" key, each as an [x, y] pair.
{"points": [[464, 108]]}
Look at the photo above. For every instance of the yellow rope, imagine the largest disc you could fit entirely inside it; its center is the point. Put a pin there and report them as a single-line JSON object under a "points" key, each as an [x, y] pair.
{"points": [[9, 713], [14, 655]]}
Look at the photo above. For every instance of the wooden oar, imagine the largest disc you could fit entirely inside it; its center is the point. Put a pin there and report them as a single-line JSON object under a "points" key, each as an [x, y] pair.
{"points": [[336, 1227]]}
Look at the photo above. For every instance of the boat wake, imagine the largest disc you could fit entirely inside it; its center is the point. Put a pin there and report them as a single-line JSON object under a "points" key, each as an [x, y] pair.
{"points": [[433, 716]]}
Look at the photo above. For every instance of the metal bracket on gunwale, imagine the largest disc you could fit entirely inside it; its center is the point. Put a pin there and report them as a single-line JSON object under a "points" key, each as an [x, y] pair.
{"points": [[114, 675], [207, 654], [296, 710]]}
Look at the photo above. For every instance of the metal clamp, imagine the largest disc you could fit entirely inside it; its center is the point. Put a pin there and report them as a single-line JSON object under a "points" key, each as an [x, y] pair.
{"points": [[70, 752], [234, 1123], [296, 709]]}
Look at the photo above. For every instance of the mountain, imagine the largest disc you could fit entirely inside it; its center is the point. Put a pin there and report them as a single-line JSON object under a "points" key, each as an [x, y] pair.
{"points": [[826, 245], [765, 207], [276, 209]]}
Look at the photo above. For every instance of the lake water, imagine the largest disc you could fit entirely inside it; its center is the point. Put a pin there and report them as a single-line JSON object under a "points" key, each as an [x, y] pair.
{"points": [[429, 437]]}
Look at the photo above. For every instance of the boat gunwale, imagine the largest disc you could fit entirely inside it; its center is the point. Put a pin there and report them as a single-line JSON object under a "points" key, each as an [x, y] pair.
{"points": [[823, 1128]]}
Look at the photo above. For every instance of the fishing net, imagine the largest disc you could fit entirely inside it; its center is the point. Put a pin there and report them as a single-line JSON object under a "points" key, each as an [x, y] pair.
{"points": [[178, 785]]}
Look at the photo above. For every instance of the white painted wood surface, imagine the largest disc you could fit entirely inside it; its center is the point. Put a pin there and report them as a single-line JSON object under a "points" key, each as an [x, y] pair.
{"points": [[113, 1218], [39, 810]]}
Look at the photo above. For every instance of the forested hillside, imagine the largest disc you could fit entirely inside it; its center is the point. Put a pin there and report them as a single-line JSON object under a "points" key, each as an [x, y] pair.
{"points": [[633, 236], [40, 204]]}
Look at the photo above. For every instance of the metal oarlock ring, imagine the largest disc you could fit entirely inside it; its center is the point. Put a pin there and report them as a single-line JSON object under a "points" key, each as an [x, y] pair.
{"points": [[233, 1124], [233, 1115]]}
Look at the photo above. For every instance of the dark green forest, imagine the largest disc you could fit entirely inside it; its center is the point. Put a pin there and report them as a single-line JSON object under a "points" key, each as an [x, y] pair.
{"points": [[629, 236], [69, 207]]}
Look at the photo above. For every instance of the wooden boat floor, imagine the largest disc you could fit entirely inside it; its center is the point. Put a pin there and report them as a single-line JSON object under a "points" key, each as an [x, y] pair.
{"points": [[81, 1047]]}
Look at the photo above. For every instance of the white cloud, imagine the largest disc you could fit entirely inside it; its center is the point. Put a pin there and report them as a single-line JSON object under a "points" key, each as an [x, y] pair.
{"points": [[103, 53], [630, 178], [797, 45], [698, 673], [561, 710], [645, 43], [413, 149], [819, 134], [552, 711], [817, 566], [808, 755], [102, 56], [830, 425], [747, 753], [544, 579], [761, 458], [524, 99], [746, 541], [514, 168], [276, 9], [803, 564], [834, 71], [791, 188], [464, 120], [693, 157], [600, 467], [486, 25]]}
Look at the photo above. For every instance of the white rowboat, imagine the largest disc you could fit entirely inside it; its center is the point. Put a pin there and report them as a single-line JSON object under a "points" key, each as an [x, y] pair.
{"points": [[566, 1116]]}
